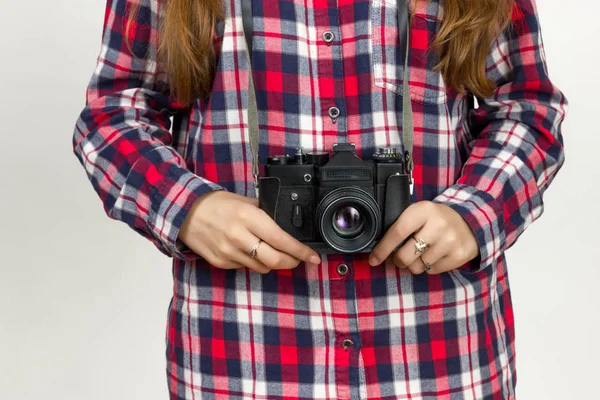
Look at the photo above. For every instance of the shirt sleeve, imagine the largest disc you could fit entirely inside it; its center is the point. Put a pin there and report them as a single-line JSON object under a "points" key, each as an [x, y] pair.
{"points": [[122, 136], [517, 145]]}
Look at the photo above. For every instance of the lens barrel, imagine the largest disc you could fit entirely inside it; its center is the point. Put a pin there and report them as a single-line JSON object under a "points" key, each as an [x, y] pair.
{"points": [[348, 219]]}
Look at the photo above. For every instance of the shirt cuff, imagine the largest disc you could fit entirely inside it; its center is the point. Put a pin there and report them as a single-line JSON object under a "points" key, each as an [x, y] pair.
{"points": [[171, 202], [484, 214]]}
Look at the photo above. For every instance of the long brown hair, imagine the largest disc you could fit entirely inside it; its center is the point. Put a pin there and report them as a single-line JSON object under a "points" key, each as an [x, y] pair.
{"points": [[468, 29]]}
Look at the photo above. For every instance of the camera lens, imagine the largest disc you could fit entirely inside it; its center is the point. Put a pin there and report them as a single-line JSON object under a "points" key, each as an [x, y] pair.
{"points": [[348, 221]]}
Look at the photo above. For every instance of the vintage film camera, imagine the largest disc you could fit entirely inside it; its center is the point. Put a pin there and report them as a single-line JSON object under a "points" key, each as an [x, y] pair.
{"points": [[340, 204]]}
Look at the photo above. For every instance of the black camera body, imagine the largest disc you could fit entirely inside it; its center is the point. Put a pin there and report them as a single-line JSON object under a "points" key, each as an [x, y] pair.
{"points": [[334, 205]]}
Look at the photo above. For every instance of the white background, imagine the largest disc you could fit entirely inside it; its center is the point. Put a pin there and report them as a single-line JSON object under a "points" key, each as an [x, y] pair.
{"points": [[83, 300]]}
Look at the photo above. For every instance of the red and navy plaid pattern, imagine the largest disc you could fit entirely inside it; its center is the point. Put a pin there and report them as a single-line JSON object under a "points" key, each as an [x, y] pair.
{"points": [[237, 334]]}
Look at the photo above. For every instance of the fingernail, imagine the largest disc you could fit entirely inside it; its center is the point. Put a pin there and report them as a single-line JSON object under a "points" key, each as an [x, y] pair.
{"points": [[373, 261], [314, 259]]}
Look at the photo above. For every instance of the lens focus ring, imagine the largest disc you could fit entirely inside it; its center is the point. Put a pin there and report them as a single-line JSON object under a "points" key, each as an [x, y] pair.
{"points": [[344, 240]]}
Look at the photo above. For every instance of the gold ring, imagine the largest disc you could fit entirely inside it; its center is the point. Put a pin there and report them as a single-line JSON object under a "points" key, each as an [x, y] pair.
{"points": [[254, 251], [421, 246], [427, 265]]}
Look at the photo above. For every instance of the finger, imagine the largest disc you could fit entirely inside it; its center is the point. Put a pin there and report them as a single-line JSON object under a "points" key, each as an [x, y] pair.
{"points": [[245, 259], [417, 267], [434, 254], [446, 263], [224, 262], [406, 254], [241, 239], [252, 263], [265, 228], [237, 245], [392, 260], [230, 265], [412, 219], [275, 259], [389, 262], [430, 257], [265, 253]]}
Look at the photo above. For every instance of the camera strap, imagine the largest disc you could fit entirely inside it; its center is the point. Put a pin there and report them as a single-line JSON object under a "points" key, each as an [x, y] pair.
{"points": [[408, 130], [253, 131], [407, 114]]}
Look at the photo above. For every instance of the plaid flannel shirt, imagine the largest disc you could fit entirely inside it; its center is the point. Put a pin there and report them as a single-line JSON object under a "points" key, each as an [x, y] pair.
{"points": [[238, 334]]}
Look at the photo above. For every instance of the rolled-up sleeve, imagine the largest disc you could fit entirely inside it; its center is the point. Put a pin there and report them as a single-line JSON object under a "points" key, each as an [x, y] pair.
{"points": [[122, 136], [517, 145]]}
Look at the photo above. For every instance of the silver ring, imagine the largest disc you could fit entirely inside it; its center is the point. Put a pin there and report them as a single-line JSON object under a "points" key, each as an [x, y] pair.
{"points": [[253, 252]]}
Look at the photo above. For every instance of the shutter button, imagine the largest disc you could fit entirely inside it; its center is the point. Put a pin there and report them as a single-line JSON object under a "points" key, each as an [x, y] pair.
{"points": [[334, 113], [342, 269], [346, 344], [328, 37]]}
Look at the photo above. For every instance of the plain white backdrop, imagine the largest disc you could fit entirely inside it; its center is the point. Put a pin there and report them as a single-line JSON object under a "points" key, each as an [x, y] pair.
{"points": [[83, 300]]}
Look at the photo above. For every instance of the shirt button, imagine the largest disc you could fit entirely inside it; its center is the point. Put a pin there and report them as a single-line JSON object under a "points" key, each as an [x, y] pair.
{"points": [[346, 344], [328, 37], [334, 113], [342, 269]]}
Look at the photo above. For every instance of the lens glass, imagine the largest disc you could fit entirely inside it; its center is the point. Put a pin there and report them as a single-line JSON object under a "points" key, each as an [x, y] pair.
{"points": [[348, 221]]}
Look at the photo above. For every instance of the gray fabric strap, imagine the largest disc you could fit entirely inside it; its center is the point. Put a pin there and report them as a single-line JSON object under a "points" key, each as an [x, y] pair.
{"points": [[247, 22], [408, 131], [407, 114], [253, 131]]}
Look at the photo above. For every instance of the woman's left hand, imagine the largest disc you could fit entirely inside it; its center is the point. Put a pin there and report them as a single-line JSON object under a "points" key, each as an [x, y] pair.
{"points": [[451, 241]]}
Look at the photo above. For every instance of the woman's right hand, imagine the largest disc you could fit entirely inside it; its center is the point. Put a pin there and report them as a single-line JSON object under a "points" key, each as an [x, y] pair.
{"points": [[223, 227]]}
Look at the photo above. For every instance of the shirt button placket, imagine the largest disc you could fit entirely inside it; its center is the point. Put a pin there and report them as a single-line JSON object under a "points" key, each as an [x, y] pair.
{"points": [[334, 113], [328, 37], [332, 99], [342, 269], [347, 343], [347, 339]]}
